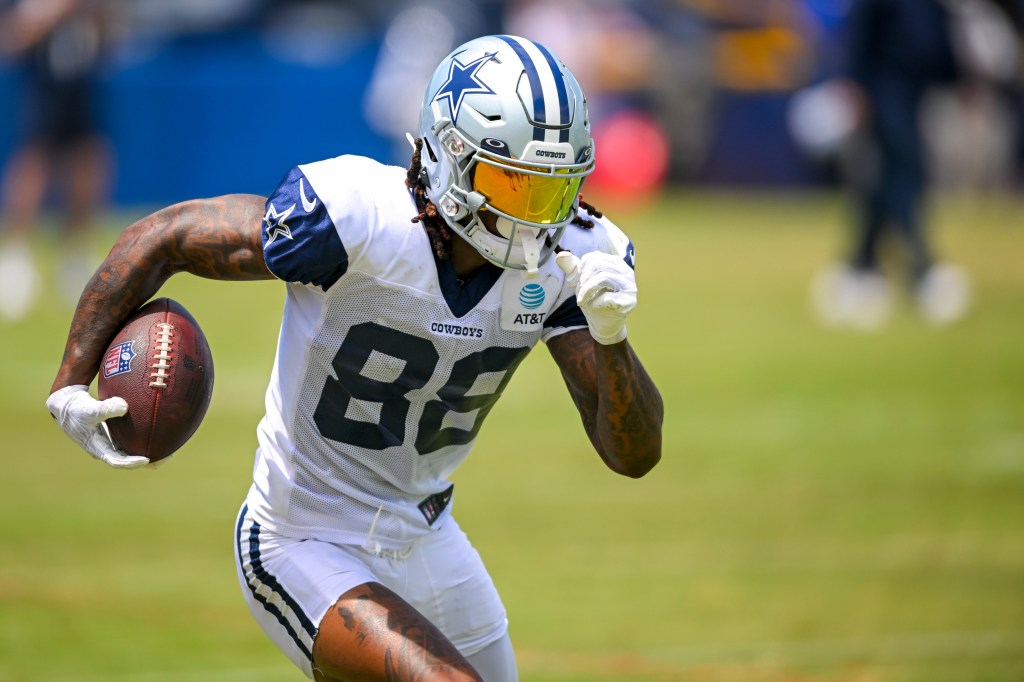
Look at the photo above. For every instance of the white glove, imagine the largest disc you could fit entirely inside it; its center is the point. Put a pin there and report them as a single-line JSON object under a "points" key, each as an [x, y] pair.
{"points": [[81, 417], [605, 291]]}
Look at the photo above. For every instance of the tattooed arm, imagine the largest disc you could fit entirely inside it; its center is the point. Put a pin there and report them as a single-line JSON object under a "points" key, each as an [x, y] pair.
{"points": [[217, 238], [621, 408]]}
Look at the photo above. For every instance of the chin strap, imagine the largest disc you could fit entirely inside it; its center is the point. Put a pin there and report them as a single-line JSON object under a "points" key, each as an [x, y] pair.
{"points": [[531, 251], [524, 248]]}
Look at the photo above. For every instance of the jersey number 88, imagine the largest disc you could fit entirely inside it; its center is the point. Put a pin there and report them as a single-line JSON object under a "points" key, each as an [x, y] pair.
{"points": [[420, 358]]}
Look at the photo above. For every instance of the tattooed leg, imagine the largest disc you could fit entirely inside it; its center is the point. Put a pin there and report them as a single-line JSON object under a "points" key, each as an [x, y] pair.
{"points": [[372, 634]]}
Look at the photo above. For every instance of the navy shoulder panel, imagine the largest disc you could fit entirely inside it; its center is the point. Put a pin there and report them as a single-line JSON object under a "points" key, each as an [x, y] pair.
{"points": [[300, 241], [566, 315]]}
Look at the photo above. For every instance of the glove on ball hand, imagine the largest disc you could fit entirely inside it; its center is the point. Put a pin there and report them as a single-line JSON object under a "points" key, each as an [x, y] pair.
{"points": [[605, 291], [81, 417]]}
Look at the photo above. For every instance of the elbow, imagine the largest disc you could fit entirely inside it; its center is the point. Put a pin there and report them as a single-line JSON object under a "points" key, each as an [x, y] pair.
{"points": [[637, 456], [635, 464], [644, 467]]}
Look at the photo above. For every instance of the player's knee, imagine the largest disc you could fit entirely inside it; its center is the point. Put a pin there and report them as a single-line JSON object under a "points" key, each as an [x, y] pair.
{"points": [[496, 662]]}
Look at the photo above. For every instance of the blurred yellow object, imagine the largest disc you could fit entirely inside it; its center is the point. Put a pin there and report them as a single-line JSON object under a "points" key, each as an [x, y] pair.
{"points": [[771, 58]]}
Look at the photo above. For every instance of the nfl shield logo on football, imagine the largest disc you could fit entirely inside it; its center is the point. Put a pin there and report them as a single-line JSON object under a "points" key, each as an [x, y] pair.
{"points": [[119, 359]]}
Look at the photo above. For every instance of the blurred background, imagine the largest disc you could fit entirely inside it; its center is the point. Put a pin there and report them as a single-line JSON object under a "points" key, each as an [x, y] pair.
{"points": [[826, 199], [199, 98]]}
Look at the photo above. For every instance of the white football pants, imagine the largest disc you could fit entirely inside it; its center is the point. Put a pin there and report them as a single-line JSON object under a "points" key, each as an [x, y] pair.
{"points": [[289, 584]]}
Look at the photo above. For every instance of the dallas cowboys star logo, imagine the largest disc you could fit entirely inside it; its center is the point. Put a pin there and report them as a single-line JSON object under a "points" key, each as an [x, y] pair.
{"points": [[275, 223], [462, 81]]}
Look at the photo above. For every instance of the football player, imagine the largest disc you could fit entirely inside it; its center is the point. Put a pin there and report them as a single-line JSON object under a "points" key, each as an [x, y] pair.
{"points": [[398, 337]]}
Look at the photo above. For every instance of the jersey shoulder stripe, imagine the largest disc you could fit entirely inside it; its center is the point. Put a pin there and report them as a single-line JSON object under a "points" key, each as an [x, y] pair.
{"points": [[338, 214], [300, 242], [371, 209]]}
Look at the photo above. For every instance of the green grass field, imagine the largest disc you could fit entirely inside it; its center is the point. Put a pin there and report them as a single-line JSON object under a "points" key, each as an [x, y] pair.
{"points": [[830, 505]]}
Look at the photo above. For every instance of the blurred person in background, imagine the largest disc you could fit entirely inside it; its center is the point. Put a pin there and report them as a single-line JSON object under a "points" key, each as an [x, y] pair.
{"points": [[417, 35], [58, 45], [413, 294], [896, 52], [984, 106]]}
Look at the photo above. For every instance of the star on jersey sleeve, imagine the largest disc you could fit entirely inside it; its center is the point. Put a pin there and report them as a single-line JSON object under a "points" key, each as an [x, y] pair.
{"points": [[300, 241]]}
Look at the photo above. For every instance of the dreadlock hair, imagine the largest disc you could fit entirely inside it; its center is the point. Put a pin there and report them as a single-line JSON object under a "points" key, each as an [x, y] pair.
{"points": [[591, 210], [438, 232]]}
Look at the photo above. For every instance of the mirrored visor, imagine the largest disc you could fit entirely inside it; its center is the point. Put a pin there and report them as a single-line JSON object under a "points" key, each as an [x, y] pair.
{"points": [[543, 199]]}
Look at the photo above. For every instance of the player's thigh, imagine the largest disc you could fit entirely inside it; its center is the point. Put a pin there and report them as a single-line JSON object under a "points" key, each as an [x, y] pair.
{"points": [[435, 604], [496, 662], [373, 634], [289, 584], [446, 580], [292, 588]]}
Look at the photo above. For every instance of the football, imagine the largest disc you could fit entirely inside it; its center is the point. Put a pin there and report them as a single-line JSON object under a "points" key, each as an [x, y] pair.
{"points": [[160, 363]]}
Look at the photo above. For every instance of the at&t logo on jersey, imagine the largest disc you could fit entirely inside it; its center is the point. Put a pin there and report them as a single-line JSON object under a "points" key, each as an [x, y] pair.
{"points": [[118, 359], [531, 296], [525, 304]]}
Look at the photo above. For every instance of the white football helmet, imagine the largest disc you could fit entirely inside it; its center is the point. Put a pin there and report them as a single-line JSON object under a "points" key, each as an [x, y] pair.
{"points": [[505, 131]]}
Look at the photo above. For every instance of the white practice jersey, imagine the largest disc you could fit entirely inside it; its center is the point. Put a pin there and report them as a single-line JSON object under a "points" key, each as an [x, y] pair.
{"points": [[386, 367]]}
